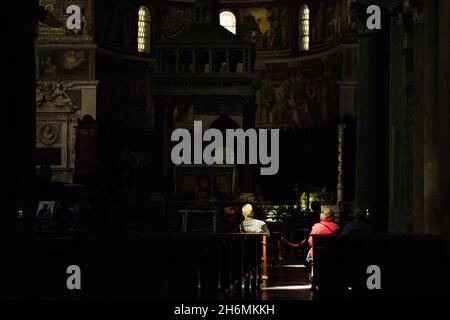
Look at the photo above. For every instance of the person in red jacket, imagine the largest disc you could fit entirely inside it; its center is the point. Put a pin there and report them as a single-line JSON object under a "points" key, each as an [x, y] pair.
{"points": [[325, 226]]}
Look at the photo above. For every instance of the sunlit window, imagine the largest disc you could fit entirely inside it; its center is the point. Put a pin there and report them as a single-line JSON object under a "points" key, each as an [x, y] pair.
{"points": [[303, 28], [228, 21], [144, 29]]}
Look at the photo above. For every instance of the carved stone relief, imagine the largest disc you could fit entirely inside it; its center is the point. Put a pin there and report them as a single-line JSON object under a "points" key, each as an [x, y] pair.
{"points": [[48, 134], [55, 95]]}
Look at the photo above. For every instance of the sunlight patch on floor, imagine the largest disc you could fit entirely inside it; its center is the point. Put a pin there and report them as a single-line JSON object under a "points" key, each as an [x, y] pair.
{"points": [[293, 266], [301, 287]]}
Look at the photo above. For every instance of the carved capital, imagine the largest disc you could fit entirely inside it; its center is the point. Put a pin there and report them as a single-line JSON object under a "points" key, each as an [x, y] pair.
{"points": [[411, 13], [359, 16], [415, 9]]}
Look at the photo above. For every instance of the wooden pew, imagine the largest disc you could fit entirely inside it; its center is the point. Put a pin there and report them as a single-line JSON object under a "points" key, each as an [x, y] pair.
{"points": [[155, 266], [412, 267]]}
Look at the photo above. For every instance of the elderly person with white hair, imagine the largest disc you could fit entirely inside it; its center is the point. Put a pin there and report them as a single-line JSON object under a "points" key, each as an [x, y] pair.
{"points": [[250, 224]]}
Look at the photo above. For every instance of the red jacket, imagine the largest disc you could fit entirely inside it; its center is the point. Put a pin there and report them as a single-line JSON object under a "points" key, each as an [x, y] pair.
{"points": [[323, 228]]}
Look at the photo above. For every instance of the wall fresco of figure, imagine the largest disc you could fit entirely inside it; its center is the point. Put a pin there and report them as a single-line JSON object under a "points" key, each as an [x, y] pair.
{"points": [[325, 22], [267, 28], [55, 22], [300, 96], [132, 103]]}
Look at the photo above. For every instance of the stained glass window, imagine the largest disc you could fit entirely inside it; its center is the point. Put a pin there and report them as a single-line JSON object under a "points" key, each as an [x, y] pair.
{"points": [[303, 28], [144, 28]]}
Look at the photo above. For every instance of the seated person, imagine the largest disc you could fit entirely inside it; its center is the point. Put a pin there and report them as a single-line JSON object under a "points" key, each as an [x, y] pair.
{"points": [[232, 218], [325, 226], [250, 224], [360, 224]]}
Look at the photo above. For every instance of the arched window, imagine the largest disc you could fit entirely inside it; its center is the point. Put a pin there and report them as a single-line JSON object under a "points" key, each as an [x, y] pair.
{"points": [[228, 21], [303, 28], [144, 28]]}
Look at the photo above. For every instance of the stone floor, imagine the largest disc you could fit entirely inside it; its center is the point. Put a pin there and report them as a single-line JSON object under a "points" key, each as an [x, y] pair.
{"points": [[287, 282]]}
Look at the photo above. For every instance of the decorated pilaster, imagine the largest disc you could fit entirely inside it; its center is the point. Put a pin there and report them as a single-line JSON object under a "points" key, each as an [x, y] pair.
{"points": [[340, 180]]}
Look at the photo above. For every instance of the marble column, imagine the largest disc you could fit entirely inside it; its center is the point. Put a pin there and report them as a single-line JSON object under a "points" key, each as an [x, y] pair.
{"points": [[444, 116], [340, 179], [194, 61], [431, 119], [372, 132], [177, 60], [167, 165], [157, 149], [400, 162], [417, 139]]}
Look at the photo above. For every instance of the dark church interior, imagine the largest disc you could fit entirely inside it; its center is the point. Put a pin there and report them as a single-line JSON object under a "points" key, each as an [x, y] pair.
{"points": [[356, 91]]}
